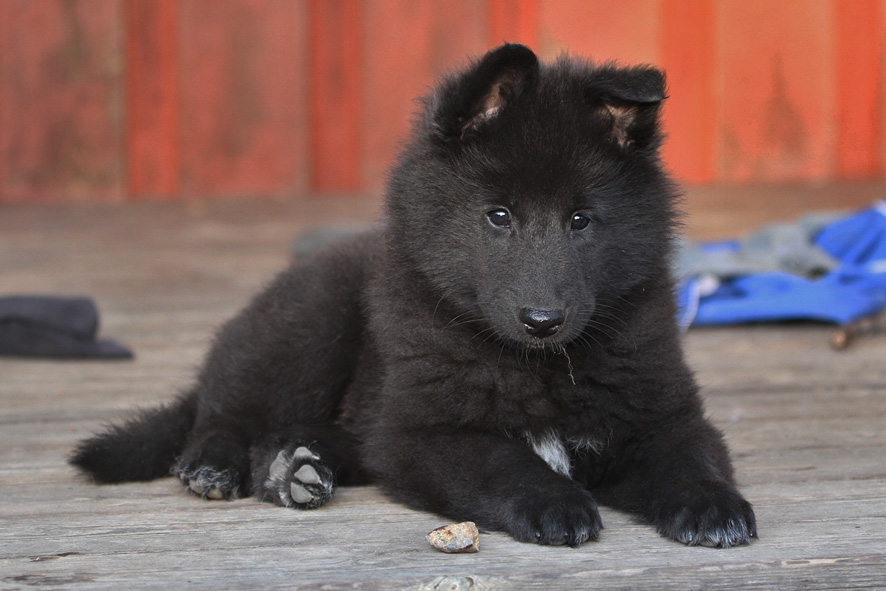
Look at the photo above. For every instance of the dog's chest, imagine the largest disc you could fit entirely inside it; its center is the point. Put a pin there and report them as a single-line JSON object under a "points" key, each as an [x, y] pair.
{"points": [[558, 451]]}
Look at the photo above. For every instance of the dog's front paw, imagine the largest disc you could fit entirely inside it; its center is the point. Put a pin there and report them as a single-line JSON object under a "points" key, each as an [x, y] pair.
{"points": [[298, 478], [568, 518], [717, 517]]}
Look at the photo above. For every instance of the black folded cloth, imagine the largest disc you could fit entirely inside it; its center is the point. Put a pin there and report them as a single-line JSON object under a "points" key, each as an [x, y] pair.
{"points": [[53, 327]]}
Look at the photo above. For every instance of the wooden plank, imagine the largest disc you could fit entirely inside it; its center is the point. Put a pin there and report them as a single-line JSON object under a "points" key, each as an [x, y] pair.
{"points": [[689, 58], [5, 21], [335, 86], [512, 21], [804, 425], [407, 44], [152, 98], [881, 114], [860, 84], [624, 30], [243, 98], [60, 87], [715, 213], [239, 545], [777, 113]]}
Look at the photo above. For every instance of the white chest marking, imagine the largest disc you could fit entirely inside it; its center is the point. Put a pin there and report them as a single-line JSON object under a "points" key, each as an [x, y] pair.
{"points": [[555, 452], [550, 448]]}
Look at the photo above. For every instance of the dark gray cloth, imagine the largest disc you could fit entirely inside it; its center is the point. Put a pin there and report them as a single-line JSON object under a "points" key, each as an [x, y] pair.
{"points": [[54, 327], [787, 247]]}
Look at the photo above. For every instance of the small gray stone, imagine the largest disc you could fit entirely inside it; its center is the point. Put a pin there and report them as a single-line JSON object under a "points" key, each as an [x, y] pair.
{"points": [[455, 538]]}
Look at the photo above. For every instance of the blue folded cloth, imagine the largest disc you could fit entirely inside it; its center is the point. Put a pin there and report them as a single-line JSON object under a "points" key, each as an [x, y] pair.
{"points": [[853, 287]]}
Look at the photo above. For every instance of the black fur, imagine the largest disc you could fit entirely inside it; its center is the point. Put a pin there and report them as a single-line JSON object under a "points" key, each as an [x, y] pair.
{"points": [[529, 193]]}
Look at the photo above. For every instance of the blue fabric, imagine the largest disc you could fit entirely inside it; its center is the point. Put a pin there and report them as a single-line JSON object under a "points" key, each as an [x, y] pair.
{"points": [[855, 288]]}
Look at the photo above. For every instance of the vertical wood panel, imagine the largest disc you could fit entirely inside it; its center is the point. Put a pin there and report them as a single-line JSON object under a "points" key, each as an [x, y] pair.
{"points": [[335, 61], [623, 30], [406, 45], [60, 87], [152, 98], [244, 95], [859, 87], [881, 88], [687, 55], [776, 81], [272, 97], [5, 65], [514, 21]]}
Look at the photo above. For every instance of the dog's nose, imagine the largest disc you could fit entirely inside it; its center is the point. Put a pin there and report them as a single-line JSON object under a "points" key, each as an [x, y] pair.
{"points": [[541, 323]]}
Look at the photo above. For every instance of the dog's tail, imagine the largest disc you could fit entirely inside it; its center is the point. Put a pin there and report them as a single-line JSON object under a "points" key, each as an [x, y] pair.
{"points": [[143, 448]]}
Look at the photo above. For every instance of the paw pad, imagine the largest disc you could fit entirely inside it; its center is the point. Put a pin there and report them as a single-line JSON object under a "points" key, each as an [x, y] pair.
{"points": [[299, 479]]}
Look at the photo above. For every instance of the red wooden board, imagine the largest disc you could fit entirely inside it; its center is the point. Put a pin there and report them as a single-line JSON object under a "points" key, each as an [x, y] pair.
{"points": [[171, 99], [243, 97], [336, 57], [152, 98], [61, 102], [690, 113], [859, 93], [623, 30], [406, 44], [776, 82], [512, 21]]}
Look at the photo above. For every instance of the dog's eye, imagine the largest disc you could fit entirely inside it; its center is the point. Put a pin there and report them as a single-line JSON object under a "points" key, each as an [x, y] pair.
{"points": [[500, 218], [579, 221]]}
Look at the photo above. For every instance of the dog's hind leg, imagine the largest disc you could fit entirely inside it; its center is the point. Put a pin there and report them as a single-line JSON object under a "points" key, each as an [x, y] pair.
{"points": [[215, 463], [285, 360]]}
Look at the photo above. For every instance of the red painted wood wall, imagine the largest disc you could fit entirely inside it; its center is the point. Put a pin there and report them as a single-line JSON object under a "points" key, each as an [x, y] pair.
{"points": [[168, 99]]}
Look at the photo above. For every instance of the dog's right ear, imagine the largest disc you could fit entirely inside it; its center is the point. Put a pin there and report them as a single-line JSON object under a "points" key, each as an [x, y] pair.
{"points": [[629, 100], [472, 99]]}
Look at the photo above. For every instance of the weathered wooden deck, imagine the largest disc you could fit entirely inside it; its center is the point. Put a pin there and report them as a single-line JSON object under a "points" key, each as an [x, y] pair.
{"points": [[805, 423]]}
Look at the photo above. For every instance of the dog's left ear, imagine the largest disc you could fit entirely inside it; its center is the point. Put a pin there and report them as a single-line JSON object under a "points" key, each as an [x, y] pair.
{"points": [[629, 100], [471, 100]]}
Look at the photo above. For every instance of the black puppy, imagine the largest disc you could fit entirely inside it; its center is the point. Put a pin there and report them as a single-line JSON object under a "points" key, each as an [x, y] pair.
{"points": [[504, 351]]}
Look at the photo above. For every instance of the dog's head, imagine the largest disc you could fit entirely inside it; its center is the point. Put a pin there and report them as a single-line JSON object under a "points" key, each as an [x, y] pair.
{"points": [[532, 196]]}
